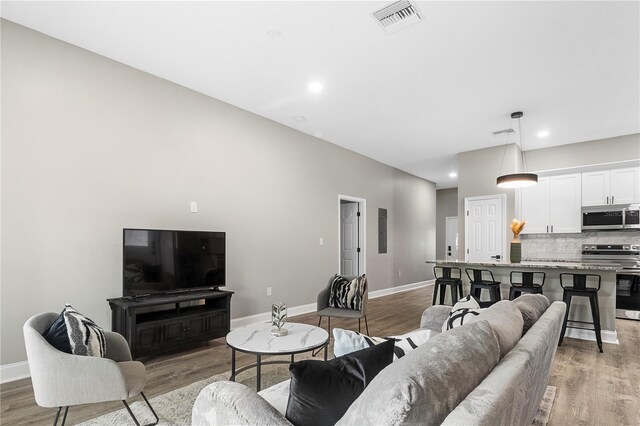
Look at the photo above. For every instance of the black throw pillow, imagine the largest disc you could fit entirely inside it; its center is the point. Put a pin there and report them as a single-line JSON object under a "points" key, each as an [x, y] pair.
{"points": [[322, 391], [57, 335]]}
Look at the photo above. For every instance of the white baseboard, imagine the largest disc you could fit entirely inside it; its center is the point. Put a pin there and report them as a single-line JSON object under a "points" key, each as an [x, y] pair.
{"points": [[266, 316], [20, 370], [15, 371], [401, 288], [311, 307], [608, 336]]}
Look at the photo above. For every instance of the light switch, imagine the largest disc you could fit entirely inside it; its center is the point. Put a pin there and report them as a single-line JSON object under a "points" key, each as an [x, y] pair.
{"points": [[321, 241], [194, 207]]}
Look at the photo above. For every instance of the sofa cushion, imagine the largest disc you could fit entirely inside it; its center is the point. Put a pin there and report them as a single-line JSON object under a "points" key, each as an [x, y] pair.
{"points": [[321, 391], [461, 312], [531, 306], [347, 341], [505, 320], [424, 386]]}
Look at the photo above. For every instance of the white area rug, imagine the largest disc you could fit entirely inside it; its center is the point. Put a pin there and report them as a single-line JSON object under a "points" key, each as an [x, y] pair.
{"points": [[174, 408]]}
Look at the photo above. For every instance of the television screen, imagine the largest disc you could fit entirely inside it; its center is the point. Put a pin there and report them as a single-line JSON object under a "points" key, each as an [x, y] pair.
{"points": [[157, 261]]}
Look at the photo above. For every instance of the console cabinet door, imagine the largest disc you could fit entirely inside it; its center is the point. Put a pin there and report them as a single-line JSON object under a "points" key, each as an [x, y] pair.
{"points": [[595, 188], [564, 204], [534, 207], [625, 186]]}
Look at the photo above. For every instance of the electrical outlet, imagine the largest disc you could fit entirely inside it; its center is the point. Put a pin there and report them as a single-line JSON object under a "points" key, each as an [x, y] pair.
{"points": [[268, 291], [194, 207], [321, 241]]}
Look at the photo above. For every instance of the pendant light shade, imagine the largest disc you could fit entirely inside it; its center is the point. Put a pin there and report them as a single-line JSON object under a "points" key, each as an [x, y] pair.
{"points": [[516, 180]]}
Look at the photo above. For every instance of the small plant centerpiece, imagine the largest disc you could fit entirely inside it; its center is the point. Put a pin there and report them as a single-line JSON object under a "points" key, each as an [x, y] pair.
{"points": [[278, 315], [516, 245]]}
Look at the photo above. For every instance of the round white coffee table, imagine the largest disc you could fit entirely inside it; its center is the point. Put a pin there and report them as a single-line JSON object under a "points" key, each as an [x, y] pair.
{"points": [[257, 340]]}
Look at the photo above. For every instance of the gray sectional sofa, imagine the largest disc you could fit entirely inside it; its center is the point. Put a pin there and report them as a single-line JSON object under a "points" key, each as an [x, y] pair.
{"points": [[493, 371]]}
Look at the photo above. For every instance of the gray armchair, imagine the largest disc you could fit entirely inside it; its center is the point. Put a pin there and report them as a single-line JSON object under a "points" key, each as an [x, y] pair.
{"points": [[61, 379], [324, 310]]}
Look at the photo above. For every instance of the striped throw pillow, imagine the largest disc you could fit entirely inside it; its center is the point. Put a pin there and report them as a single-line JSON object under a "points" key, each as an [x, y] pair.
{"points": [[347, 341], [347, 294], [461, 311]]}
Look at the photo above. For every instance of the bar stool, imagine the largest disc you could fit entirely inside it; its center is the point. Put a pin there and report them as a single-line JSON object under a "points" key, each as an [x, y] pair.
{"points": [[443, 280], [579, 288], [529, 282], [478, 283]]}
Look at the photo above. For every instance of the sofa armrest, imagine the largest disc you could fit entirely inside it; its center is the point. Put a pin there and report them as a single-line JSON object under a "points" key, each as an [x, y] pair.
{"points": [[434, 316], [117, 347], [230, 403]]}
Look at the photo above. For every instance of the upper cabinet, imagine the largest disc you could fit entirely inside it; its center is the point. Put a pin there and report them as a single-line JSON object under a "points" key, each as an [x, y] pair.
{"points": [[608, 187], [551, 206]]}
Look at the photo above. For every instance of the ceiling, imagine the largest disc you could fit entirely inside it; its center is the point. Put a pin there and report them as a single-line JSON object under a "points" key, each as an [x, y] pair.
{"points": [[412, 99]]}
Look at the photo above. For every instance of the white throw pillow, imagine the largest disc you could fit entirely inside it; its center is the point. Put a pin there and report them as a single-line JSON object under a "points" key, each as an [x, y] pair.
{"points": [[460, 312], [347, 341]]}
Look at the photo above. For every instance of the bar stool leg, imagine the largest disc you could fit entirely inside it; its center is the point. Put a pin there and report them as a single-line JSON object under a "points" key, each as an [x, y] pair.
{"points": [[498, 293], [443, 290], [567, 300], [460, 290], [595, 313], [454, 294], [512, 293], [435, 293]]}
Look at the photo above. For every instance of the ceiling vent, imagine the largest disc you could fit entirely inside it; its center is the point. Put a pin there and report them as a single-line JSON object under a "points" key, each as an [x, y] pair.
{"points": [[397, 15], [500, 132]]}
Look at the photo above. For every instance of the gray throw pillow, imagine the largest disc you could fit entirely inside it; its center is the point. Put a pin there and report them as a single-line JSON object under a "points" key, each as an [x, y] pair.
{"points": [[424, 386], [531, 306], [505, 320]]}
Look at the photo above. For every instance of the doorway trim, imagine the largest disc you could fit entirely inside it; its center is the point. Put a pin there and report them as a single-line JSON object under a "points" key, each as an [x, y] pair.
{"points": [[447, 224], [503, 199], [362, 259]]}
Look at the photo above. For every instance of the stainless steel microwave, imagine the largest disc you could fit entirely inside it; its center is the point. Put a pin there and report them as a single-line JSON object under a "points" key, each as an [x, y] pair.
{"points": [[602, 218]]}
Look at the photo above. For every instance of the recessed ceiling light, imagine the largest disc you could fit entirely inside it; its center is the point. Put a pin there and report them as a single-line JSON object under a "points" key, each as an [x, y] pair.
{"points": [[274, 32], [300, 118], [543, 133], [315, 87], [453, 174]]}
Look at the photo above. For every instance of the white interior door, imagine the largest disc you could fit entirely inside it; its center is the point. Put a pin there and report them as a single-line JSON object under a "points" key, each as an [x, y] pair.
{"points": [[484, 229], [349, 239], [451, 240]]}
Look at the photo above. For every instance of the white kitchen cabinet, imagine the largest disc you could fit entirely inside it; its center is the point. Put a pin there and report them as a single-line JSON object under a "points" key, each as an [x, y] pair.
{"points": [[625, 186], [564, 204], [608, 187], [534, 202], [595, 188], [552, 206]]}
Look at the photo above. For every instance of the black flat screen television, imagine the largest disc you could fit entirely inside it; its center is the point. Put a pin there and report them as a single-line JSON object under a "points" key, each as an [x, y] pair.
{"points": [[157, 261]]}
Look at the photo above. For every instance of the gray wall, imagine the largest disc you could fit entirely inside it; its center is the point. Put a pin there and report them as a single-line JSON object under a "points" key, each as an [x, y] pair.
{"points": [[446, 205], [90, 146], [602, 151], [479, 169]]}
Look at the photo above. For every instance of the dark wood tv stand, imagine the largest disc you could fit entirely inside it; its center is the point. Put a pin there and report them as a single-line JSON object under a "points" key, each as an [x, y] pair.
{"points": [[159, 323]]}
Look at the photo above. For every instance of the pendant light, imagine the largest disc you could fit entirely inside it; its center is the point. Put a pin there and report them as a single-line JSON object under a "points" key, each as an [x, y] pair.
{"points": [[516, 180]]}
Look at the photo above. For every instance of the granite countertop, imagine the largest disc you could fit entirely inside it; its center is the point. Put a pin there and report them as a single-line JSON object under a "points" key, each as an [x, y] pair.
{"points": [[546, 264]]}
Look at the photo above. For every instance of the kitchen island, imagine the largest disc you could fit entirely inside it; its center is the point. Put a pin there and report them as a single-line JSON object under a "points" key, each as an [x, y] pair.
{"points": [[580, 309]]}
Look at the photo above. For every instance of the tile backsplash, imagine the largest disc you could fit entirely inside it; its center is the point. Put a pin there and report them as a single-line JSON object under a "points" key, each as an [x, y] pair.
{"points": [[569, 246]]}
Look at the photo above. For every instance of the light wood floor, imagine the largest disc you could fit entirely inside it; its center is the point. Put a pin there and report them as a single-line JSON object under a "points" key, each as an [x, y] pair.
{"points": [[593, 388]]}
